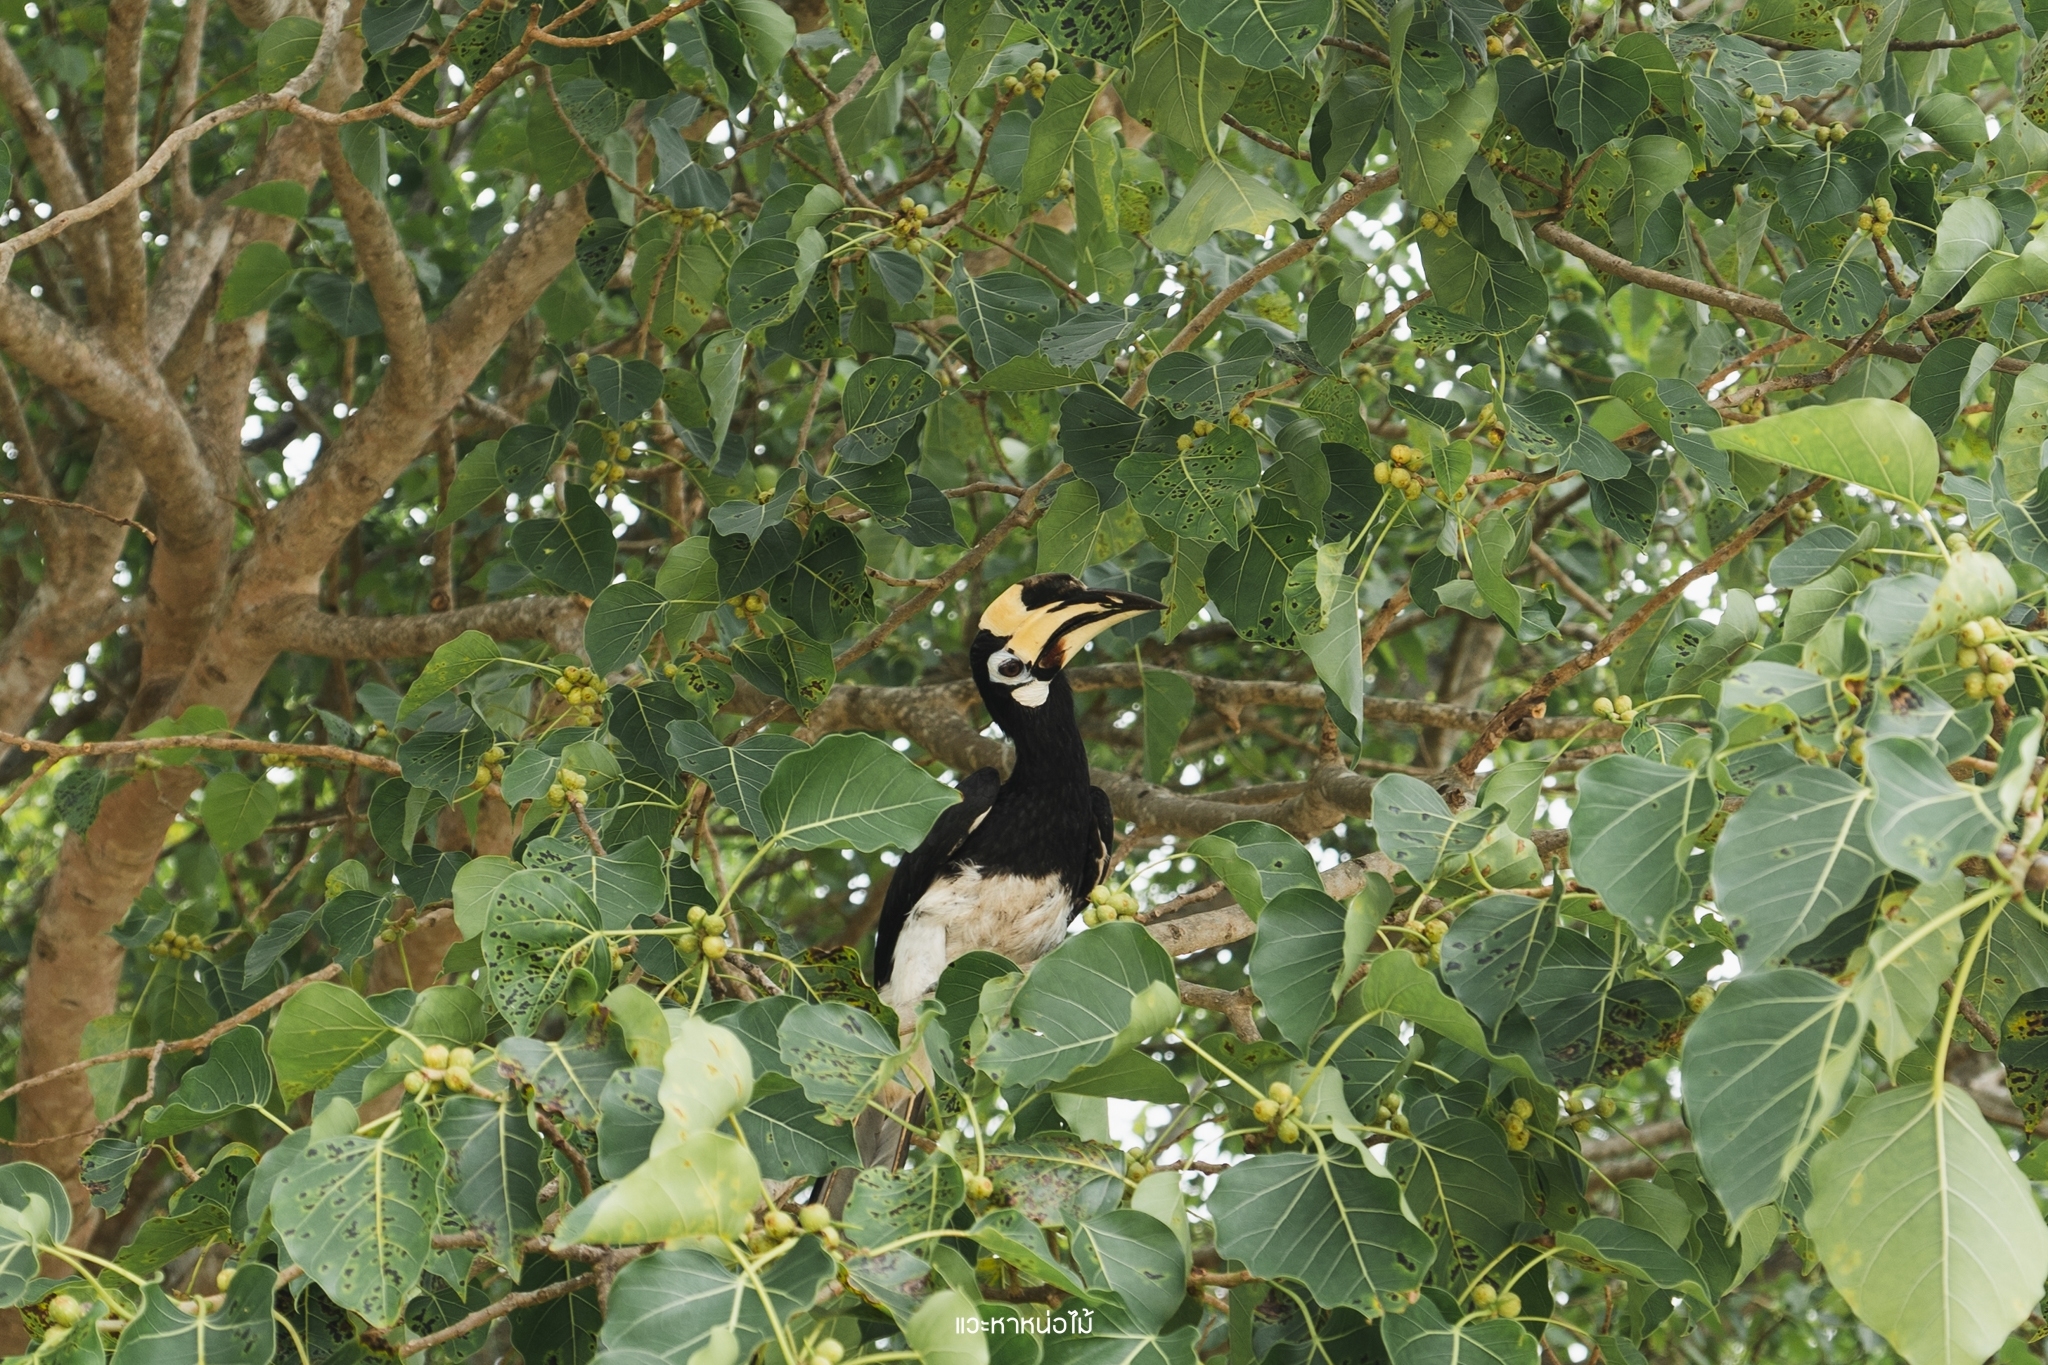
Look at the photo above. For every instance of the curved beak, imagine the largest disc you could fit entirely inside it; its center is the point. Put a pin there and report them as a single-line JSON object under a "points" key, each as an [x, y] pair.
{"points": [[1048, 618]]}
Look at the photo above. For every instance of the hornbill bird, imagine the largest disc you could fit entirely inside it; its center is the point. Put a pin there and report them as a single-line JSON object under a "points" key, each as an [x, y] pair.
{"points": [[1008, 867]]}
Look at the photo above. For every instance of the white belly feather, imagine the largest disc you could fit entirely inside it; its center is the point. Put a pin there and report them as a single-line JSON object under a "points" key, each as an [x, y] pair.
{"points": [[1022, 918]]}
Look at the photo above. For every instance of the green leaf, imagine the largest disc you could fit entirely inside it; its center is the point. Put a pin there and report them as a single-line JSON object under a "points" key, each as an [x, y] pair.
{"points": [[1841, 299], [443, 761], [1422, 1336], [1397, 989], [494, 1171], [2010, 276], [1178, 84], [1796, 855], [1493, 298], [1324, 1220], [882, 400], [575, 551], [1970, 230], [1248, 583], [235, 809], [1194, 492], [840, 1055], [1925, 1226], [1099, 30], [261, 273], [1900, 996], [235, 1075], [1222, 199], [1632, 835], [1827, 184], [624, 389], [934, 1331], [1297, 962], [1608, 1247], [1419, 831], [1257, 862], [525, 455], [320, 1032], [347, 305], [622, 622], [737, 772], [852, 789], [1139, 1258], [827, 589], [1168, 706], [452, 665], [284, 49], [1493, 950], [1433, 161], [1266, 34], [703, 1186], [1765, 1067], [1096, 993], [668, 1306], [537, 919], [1598, 100], [769, 279], [790, 1136], [1462, 1187], [1924, 822], [359, 1214], [242, 1331], [282, 198], [1870, 441], [1003, 312]]}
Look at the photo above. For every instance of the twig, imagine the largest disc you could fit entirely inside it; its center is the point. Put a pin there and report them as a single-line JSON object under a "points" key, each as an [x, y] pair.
{"points": [[1043, 269], [227, 743], [1524, 706], [1970, 1012], [1200, 324], [561, 1144], [588, 832], [90, 511], [1271, 144], [225, 1026], [1234, 1006], [1569, 584], [511, 1303]]}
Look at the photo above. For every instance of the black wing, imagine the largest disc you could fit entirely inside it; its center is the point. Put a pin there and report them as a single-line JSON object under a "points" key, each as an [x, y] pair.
{"points": [[919, 866], [1105, 828]]}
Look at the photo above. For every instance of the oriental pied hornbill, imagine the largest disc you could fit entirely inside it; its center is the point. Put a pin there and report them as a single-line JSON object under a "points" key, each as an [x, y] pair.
{"points": [[1008, 867]]}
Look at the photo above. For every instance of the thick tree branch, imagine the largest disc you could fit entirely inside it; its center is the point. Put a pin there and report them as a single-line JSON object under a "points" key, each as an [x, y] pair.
{"points": [[128, 294], [382, 259], [298, 626]]}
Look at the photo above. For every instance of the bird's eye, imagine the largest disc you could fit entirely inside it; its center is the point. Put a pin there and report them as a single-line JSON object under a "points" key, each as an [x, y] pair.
{"points": [[1011, 668]]}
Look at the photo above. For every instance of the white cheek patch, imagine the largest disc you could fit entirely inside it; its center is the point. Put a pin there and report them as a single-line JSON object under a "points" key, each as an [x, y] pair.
{"points": [[1033, 693]]}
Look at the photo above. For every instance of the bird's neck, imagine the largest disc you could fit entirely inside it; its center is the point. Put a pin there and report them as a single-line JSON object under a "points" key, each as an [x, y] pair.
{"points": [[1047, 740]]}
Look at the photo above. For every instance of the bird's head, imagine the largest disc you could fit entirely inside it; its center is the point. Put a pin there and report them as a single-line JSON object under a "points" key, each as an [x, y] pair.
{"points": [[1029, 633]]}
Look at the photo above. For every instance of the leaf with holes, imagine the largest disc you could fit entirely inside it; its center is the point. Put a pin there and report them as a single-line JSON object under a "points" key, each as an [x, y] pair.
{"points": [[624, 389], [1493, 950], [359, 1213], [1248, 582], [1796, 855], [1003, 312], [241, 1331], [882, 400], [1837, 299], [536, 922], [494, 1171], [841, 1056], [1195, 492], [1464, 1192], [1263, 34]]}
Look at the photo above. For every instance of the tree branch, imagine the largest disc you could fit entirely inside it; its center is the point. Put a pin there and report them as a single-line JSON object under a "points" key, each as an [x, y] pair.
{"points": [[1198, 326], [332, 753], [297, 625], [195, 1044], [381, 257], [1523, 708]]}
